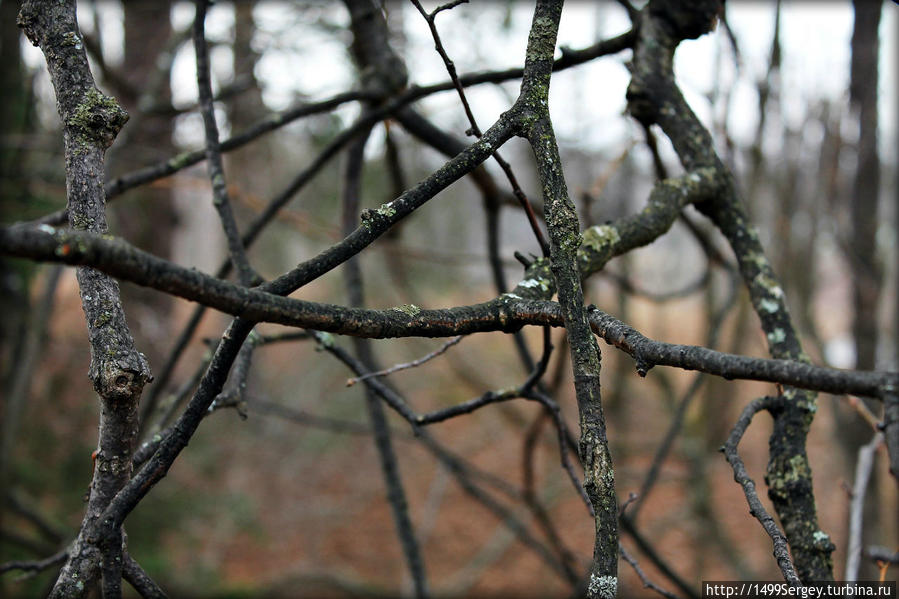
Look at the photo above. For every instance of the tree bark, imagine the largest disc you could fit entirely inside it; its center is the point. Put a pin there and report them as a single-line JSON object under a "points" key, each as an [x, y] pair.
{"points": [[91, 120]]}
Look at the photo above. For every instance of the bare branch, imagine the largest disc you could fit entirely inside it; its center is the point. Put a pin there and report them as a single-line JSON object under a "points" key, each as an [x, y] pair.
{"points": [[509, 312], [647, 583], [140, 580], [863, 466], [781, 552], [118, 371], [221, 201], [475, 130], [653, 97], [407, 365], [29, 568]]}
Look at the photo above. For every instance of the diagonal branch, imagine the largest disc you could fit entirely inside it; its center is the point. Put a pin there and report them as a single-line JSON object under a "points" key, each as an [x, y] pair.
{"points": [[475, 130], [245, 273], [396, 494], [407, 365], [140, 580], [654, 97]]}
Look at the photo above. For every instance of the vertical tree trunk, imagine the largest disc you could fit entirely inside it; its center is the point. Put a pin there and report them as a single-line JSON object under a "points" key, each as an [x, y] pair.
{"points": [[863, 261], [866, 269]]}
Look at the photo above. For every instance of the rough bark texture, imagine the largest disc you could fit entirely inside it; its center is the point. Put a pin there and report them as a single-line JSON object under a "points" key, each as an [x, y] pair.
{"points": [[91, 121], [119, 372], [564, 234], [653, 97]]}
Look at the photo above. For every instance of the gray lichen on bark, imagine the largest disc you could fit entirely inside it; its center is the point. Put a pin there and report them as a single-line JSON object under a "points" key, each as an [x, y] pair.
{"points": [[565, 241], [654, 98], [118, 371]]}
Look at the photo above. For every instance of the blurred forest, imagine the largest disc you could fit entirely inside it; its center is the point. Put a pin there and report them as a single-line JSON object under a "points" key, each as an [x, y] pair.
{"points": [[281, 492]]}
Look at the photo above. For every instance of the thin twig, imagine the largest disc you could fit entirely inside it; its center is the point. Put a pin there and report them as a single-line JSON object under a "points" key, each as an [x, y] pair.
{"points": [[631, 498], [685, 402], [27, 358], [475, 130], [32, 567], [864, 411], [404, 366], [883, 554], [49, 530], [301, 417], [234, 392], [650, 552], [647, 583], [462, 472], [221, 201], [863, 466], [741, 476], [568, 559], [562, 436]]}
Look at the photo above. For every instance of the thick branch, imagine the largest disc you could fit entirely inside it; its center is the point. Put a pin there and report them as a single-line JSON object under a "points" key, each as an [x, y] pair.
{"points": [[91, 121], [508, 312], [653, 97], [564, 235]]}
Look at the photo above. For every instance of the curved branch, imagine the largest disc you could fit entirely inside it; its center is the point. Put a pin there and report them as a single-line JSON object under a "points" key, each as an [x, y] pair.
{"points": [[654, 97], [781, 552]]}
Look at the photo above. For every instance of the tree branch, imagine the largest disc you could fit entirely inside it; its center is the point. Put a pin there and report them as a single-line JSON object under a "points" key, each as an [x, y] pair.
{"points": [[564, 236], [781, 552], [508, 312], [653, 97], [91, 121], [245, 273]]}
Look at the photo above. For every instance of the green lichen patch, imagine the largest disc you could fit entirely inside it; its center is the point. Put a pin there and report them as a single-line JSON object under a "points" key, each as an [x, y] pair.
{"points": [[71, 38], [535, 284], [97, 118], [180, 161], [821, 537], [794, 470], [325, 340], [387, 210], [599, 238], [104, 318], [770, 285], [602, 587], [769, 306], [776, 336], [408, 309]]}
